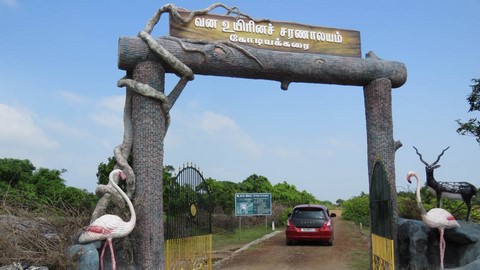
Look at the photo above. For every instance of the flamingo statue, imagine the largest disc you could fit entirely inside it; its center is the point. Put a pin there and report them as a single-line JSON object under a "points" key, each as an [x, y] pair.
{"points": [[435, 218], [108, 227]]}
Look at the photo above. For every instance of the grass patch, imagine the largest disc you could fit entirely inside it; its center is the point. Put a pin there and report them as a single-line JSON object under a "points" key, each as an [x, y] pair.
{"points": [[239, 237], [360, 260]]}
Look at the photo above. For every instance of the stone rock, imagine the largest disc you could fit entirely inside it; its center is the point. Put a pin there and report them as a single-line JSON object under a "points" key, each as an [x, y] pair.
{"points": [[418, 246], [39, 226], [412, 244], [20, 266], [86, 255]]}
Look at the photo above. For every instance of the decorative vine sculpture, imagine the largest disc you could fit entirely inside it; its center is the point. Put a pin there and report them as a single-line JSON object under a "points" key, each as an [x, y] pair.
{"points": [[122, 151]]}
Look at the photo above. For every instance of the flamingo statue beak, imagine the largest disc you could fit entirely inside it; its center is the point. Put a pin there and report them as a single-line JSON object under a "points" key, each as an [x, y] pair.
{"points": [[409, 175], [122, 175]]}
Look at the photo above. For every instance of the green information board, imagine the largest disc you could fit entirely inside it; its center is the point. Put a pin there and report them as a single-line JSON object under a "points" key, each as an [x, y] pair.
{"points": [[253, 204]]}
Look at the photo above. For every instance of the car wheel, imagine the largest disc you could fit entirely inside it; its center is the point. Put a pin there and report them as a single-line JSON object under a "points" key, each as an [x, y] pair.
{"points": [[330, 242], [289, 242]]}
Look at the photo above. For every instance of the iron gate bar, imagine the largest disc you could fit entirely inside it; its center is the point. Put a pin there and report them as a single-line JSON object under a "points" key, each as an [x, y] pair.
{"points": [[189, 205], [188, 233]]}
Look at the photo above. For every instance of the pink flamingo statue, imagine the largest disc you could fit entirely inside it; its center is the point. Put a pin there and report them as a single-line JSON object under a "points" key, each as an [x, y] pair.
{"points": [[435, 218], [108, 227]]}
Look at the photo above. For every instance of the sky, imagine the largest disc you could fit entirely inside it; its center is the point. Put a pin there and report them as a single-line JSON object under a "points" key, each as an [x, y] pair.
{"points": [[60, 107]]}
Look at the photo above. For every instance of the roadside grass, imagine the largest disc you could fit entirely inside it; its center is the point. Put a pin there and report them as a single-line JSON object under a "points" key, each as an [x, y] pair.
{"points": [[238, 237], [360, 258]]}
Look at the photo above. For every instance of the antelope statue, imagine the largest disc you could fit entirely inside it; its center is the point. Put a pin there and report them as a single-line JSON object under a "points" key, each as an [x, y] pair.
{"points": [[451, 190]]}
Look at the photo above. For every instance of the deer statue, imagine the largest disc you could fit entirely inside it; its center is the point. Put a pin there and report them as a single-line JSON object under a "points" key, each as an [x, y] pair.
{"points": [[451, 190]]}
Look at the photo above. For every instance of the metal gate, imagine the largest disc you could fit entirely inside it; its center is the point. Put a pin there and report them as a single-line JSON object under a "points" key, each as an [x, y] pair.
{"points": [[381, 212], [188, 229]]}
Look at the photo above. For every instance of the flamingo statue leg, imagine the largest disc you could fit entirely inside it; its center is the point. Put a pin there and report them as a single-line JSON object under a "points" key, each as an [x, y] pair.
{"points": [[110, 245], [102, 254], [442, 248], [114, 263]]}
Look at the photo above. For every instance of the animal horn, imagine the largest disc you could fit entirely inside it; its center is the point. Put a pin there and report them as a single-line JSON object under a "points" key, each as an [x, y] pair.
{"points": [[421, 159], [439, 156]]}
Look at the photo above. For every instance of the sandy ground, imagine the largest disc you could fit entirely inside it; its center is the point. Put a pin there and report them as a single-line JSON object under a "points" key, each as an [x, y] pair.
{"points": [[273, 253]]}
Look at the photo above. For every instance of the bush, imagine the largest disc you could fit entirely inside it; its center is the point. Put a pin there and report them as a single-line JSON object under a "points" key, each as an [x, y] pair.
{"points": [[26, 245], [222, 223], [357, 210], [408, 207]]}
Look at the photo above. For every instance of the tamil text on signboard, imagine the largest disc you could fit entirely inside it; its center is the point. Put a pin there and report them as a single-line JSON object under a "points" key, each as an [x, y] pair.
{"points": [[266, 34], [253, 204]]}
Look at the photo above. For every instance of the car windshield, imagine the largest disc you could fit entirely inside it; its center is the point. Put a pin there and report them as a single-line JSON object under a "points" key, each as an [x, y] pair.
{"points": [[308, 213]]}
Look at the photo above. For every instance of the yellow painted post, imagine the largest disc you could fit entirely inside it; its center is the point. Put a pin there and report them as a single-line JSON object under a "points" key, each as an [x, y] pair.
{"points": [[192, 253], [383, 253]]}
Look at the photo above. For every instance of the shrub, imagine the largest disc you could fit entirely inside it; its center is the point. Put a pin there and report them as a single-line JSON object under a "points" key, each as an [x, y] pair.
{"points": [[357, 210], [25, 245]]}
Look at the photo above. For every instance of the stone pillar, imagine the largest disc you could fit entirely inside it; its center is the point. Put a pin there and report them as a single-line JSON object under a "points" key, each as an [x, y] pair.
{"points": [[149, 131], [381, 145]]}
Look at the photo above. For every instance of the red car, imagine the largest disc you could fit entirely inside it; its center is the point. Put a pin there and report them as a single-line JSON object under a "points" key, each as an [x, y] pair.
{"points": [[309, 222]]}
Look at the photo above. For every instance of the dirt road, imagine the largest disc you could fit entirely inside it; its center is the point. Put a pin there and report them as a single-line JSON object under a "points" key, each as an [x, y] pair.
{"points": [[273, 253]]}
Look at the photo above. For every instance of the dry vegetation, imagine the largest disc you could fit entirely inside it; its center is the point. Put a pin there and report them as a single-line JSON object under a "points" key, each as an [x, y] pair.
{"points": [[37, 234]]}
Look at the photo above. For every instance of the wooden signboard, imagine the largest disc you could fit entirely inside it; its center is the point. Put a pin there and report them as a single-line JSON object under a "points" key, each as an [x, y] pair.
{"points": [[266, 34]]}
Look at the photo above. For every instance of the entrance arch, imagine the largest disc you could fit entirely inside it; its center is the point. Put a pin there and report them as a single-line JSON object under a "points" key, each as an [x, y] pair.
{"points": [[146, 60]]}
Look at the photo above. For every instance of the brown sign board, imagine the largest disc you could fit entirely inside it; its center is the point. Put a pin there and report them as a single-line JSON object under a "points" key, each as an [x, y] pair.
{"points": [[266, 34]]}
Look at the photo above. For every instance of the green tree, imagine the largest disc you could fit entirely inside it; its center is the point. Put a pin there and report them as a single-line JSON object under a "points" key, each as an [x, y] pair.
{"points": [[168, 179], [285, 194], [33, 188], [256, 184], [472, 126], [103, 170], [340, 202], [14, 170], [49, 185], [223, 193], [307, 198], [79, 199], [288, 195]]}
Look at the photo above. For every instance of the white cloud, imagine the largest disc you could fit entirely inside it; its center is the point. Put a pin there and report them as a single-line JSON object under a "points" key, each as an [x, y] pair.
{"points": [[340, 144], [108, 119], [214, 123], [9, 3], [71, 97], [111, 112], [226, 129], [63, 128], [20, 131], [287, 152], [113, 103]]}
